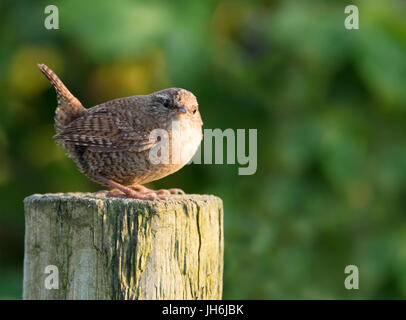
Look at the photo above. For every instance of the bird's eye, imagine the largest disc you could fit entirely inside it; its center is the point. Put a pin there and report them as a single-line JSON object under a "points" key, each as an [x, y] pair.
{"points": [[194, 111], [166, 103]]}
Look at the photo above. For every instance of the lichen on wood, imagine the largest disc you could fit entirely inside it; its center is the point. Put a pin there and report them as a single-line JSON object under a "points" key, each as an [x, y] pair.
{"points": [[112, 248]]}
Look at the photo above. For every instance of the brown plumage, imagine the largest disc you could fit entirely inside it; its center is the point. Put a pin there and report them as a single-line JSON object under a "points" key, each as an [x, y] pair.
{"points": [[112, 142]]}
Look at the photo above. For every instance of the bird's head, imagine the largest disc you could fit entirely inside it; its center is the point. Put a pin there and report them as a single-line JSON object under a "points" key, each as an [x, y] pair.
{"points": [[178, 103]]}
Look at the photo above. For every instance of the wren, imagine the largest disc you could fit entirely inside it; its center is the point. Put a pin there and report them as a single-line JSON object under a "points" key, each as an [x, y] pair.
{"points": [[111, 142]]}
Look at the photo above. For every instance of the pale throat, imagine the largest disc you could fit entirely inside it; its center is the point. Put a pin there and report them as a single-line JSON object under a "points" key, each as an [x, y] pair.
{"points": [[186, 140]]}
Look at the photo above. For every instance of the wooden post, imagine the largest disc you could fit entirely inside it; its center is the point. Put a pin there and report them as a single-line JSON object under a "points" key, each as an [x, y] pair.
{"points": [[82, 246]]}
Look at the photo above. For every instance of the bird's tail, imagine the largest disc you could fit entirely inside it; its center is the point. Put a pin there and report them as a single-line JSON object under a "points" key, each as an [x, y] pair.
{"points": [[69, 108]]}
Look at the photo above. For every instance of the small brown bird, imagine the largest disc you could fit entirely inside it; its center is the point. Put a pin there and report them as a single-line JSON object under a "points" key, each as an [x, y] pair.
{"points": [[114, 143]]}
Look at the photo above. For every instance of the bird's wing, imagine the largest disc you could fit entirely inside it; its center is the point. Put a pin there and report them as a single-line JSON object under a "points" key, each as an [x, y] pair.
{"points": [[106, 132]]}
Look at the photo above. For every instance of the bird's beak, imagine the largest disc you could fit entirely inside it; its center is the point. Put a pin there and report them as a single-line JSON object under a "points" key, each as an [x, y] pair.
{"points": [[182, 110]]}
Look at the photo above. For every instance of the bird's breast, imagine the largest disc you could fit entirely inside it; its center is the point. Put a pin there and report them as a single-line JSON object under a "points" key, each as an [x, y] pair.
{"points": [[186, 141]]}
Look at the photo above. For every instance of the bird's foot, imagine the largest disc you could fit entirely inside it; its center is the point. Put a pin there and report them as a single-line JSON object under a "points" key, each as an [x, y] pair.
{"points": [[159, 193], [131, 194], [136, 192]]}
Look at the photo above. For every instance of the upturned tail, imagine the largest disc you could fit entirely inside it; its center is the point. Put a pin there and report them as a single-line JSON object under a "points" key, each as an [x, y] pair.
{"points": [[69, 108]]}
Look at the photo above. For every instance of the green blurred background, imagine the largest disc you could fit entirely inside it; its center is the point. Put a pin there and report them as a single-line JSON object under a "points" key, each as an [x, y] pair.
{"points": [[329, 105]]}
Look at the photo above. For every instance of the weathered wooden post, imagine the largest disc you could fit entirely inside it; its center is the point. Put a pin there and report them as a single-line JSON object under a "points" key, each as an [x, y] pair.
{"points": [[82, 246]]}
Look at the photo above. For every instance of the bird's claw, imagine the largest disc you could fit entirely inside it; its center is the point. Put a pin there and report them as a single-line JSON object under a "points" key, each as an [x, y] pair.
{"points": [[176, 191], [146, 196], [161, 193]]}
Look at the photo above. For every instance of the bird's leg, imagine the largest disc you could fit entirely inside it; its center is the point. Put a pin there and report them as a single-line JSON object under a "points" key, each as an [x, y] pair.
{"points": [[145, 190], [130, 193]]}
